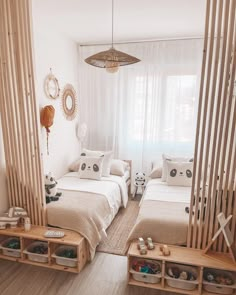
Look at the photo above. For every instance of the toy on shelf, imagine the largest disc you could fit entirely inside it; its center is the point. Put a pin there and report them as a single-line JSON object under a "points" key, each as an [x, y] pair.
{"points": [[165, 250], [12, 217], [51, 188], [139, 183]]}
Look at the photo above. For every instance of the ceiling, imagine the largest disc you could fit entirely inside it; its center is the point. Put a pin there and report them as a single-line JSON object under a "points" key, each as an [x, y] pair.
{"points": [[89, 21]]}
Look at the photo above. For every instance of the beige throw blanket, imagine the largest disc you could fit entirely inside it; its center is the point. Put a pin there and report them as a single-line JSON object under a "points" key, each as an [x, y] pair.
{"points": [[87, 212], [162, 214]]}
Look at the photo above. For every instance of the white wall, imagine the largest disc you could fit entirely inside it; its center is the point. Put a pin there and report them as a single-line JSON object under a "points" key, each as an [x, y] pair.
{"points": [[56, 51], [3, 191]]}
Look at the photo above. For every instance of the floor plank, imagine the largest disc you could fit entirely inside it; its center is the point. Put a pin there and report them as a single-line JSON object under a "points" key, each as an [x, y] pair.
{"points": [[106, 275]]}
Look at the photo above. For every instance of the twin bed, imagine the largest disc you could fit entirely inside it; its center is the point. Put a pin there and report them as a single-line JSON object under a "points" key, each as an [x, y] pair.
{"points": [[88, 206], [162, 213]]}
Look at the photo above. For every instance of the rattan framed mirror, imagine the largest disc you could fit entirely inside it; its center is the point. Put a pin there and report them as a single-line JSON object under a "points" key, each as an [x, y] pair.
{"points": [[51, 86], [69, 102]]}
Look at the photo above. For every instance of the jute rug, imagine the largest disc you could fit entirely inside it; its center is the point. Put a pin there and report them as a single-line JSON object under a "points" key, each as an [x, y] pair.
{"points": [[119, 230]]}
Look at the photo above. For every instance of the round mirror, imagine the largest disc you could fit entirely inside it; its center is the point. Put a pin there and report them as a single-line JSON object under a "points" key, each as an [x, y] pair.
{"points": [[51, 86], [69, 102]]}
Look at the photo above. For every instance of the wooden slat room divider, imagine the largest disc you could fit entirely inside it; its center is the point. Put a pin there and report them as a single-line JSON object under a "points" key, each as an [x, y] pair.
{"points": [[214, 175], [19, 110]]}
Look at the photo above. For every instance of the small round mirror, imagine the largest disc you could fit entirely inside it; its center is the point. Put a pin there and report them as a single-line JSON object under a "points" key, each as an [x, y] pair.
{"points": [[69, 102]]}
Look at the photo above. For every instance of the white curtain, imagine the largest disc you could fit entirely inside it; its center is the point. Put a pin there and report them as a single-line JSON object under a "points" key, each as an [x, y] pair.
{"points": [[145, 109]]}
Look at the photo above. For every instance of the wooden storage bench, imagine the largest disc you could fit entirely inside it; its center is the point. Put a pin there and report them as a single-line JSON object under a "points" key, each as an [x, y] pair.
{"points": [[185, 258], [36, 233]]}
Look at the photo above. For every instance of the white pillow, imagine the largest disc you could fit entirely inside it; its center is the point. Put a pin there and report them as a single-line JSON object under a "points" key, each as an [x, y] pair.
{"points": [[74, 167], [91, 168], [106, 166], [179, 173], [174, 159], [118, 167]]}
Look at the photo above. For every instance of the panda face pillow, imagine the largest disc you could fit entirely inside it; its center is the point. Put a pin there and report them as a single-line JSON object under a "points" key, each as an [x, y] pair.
{"points": [[91, 168], [179, 173]]}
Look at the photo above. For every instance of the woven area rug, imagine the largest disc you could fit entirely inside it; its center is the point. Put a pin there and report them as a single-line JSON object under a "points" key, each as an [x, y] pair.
{"points": [[119, 230]]}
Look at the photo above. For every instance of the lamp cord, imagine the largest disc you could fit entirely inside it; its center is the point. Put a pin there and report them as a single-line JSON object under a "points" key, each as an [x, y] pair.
{"points": [[112, 26]]}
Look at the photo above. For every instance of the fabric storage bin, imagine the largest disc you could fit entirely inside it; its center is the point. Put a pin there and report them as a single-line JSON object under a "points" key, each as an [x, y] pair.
{"points": [[43, 258], [70, 262], [10, 251], [179, 283], [144, 276], [215, 288]]}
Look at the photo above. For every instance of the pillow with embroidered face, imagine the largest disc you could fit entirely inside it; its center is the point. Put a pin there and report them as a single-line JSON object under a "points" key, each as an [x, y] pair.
{"points": [[91, 168], [179, 173], [166, 158], [106, 166]]}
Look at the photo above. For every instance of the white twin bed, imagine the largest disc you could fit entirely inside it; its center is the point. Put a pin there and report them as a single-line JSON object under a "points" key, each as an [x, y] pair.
{"points": [[88, 206], [162, 213]]}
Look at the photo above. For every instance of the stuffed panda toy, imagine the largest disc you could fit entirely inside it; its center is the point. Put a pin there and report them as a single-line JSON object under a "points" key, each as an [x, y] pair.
{"points": [[140, 179], [51, 188], [139, 182]]}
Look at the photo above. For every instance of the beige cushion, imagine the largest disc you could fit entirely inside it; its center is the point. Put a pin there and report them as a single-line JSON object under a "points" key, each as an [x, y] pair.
{"points": [[118, 167], [179, 173], [91, 168], [74, 167], [156, 172]]}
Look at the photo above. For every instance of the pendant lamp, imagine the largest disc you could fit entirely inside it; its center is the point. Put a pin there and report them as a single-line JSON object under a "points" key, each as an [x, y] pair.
{"points": [[111, 59]]}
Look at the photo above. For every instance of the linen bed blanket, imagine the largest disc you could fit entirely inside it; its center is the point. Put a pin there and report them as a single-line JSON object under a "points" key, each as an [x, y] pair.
{"points": [[87, 206], [162, 214]]}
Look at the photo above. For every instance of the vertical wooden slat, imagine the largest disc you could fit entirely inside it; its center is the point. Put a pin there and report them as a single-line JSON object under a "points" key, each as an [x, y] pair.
{"points": [[216, 136], [200, 110], [19, 109]]}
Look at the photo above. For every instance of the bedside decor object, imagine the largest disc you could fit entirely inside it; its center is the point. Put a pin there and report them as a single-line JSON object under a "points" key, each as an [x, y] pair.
{"points": [[51, 86], [111, 59], [69, 102], [46, 119], [139, 182]]}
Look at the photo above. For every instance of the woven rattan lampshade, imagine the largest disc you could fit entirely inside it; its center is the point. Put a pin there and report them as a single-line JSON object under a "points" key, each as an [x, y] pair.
{"points": [[111, 56], [111, 59]]}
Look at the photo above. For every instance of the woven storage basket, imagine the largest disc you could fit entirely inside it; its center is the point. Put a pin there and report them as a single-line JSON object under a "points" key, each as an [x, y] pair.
{"points": [[43, 258], [8, 251], [70, 262], [182, 284], [218, 288]]}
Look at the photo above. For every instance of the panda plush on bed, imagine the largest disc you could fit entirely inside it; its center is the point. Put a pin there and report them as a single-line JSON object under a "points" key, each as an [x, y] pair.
{"points": [[51, 188]]}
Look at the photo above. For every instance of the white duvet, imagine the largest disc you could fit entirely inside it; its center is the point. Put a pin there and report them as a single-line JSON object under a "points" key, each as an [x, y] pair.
{"points": [[158, 190]]}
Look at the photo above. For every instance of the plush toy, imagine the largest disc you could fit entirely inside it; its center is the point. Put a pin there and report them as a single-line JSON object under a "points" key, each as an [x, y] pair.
{"points": [[140, 179], [12, 217], [139, 182], [51, 188]]}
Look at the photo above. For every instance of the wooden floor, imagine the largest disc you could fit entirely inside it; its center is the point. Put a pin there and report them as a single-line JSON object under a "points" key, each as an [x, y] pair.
{"points": [[106, 275]]}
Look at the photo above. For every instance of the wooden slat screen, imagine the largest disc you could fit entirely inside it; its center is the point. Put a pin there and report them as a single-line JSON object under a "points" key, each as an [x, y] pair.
{"points": [[214, 175], [19, 110]]}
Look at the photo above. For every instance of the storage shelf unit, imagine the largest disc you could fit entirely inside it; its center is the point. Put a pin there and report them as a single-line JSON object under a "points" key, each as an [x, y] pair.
{"points": [[37, 234], [181, 256]]}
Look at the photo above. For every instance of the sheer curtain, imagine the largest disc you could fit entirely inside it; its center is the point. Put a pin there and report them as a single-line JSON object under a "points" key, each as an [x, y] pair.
{"points": [[145, 109]]}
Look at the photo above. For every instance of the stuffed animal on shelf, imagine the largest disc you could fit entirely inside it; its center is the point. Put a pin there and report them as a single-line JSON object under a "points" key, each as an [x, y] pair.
{"points": [[12, 217], [139, 182], [51, 188]]}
